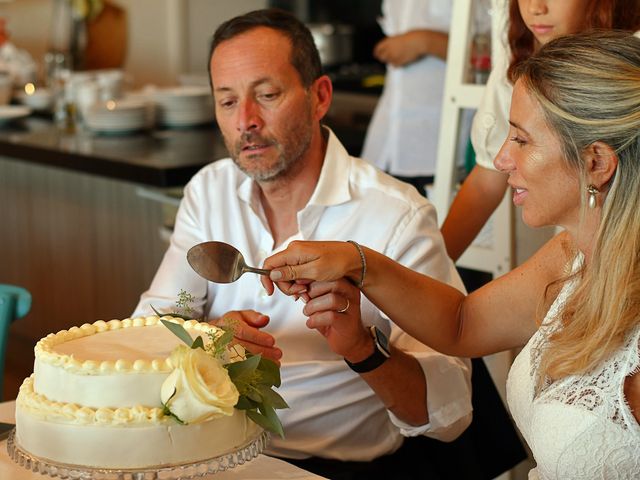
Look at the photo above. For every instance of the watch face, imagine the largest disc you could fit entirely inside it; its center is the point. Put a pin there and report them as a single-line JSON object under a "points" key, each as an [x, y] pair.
{"points": [[381, 340]]}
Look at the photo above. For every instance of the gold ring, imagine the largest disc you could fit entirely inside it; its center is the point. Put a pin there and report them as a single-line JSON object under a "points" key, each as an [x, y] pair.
{"points": [[345, 308]]}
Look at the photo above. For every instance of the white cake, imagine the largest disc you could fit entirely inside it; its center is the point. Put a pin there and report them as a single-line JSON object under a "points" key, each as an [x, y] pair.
{"points": [[94, 400]]}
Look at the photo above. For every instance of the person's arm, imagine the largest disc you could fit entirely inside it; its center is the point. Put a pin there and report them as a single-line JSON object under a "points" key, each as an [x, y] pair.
{"points": [[499, 316], [406, 48], [484, 188], [479, 196]]}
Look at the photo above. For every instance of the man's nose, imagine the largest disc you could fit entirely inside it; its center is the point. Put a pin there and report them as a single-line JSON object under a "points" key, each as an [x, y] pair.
{"points": [[249, 116]]}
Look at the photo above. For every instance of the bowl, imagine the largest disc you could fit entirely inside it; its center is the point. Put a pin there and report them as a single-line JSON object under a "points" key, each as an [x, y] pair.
{"points": [[39, 99]]}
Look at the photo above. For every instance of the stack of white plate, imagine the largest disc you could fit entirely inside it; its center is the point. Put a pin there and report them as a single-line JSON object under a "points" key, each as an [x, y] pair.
{"points": [[117, 116], [184, 106]]}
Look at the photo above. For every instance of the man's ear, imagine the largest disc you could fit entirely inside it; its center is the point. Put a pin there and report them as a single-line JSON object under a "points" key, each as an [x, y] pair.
{"points": [[322, 93], [602, 163]]}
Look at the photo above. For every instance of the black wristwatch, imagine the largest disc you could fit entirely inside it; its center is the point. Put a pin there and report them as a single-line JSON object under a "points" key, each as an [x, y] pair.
{"points": [[380, 353]]}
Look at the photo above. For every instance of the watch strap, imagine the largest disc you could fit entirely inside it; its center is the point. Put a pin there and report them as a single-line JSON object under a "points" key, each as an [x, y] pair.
{"points": [[378, 357]]}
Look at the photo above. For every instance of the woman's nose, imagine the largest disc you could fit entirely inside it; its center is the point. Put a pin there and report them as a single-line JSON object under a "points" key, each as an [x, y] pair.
{"points": [[537, 7], [503, 161]]}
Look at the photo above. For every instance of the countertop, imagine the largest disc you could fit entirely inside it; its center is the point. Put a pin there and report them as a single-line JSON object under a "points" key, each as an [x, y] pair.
{"points": [[159, 158]]}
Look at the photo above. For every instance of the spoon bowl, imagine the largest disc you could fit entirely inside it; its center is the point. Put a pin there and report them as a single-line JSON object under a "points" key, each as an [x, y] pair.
{"points": [[219, 262]]}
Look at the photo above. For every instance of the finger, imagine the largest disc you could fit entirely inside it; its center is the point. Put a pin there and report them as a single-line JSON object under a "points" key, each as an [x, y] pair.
{"points": [[255, 319], [253, 335], [322, 320], [331, 301], [267, 284], [274, 353], [317, 289]]}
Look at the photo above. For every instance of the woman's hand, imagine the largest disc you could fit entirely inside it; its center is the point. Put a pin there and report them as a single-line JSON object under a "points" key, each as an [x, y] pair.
{"points": [[334, 311], [302, 262]]}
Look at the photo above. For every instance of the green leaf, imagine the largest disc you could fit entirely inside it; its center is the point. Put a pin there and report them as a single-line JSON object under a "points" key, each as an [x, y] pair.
{"points": [[244, 403], [272, 398], [198, 343], [272, 419], [255, 396], [243, 370], [266, 422], [270, 372], [179, 331]]}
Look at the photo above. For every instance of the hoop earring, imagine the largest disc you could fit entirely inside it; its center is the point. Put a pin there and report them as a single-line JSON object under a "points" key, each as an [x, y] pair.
{"points": [[592, 201]]}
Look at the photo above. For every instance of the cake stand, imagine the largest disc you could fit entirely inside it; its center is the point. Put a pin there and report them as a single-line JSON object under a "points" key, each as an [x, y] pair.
{"points": [[245, 453]]}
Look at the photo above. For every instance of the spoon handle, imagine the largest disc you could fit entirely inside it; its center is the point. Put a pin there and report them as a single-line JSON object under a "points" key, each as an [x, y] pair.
{"points": [[260, 271]]}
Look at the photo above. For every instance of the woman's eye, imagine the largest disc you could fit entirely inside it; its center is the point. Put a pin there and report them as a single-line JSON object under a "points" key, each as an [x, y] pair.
{"points": [[517, 140]]}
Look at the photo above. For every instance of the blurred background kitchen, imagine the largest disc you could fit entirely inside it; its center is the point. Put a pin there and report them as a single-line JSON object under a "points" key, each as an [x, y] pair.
{"points": [[107, 114]]}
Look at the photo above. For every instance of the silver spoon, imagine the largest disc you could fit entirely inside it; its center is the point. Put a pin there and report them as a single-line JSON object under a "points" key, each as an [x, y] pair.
{"points": [[219, 262]]}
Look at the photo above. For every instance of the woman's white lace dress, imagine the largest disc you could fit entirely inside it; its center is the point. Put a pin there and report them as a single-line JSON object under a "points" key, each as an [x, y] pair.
{"points": [[579, 427]]}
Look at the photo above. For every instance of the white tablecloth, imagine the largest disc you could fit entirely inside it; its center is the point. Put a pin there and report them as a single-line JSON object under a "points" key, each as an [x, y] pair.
{"points": [[261, 468]]}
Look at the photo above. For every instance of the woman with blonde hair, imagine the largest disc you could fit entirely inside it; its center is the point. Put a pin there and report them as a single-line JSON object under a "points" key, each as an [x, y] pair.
{"points": [[573, 160]]}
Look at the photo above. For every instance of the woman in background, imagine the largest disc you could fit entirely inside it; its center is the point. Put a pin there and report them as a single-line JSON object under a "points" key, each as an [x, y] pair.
{"points": [[572, 157], [532, 23]]}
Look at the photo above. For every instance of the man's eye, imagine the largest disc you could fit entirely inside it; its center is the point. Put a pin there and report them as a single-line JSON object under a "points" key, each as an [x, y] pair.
{"points": [[226, 103], [268, 96]]}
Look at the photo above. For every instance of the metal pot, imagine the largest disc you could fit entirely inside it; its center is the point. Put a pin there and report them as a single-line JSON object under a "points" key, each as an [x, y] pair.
{"points": [[334, 42]]}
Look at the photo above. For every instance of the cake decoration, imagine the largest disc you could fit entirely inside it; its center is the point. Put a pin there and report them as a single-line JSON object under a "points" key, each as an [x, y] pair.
{"points": [[208, 381]]}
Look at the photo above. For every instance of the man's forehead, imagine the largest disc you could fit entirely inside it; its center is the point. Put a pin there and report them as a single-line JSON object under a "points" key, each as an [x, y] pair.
{"points": [[256, 56]]}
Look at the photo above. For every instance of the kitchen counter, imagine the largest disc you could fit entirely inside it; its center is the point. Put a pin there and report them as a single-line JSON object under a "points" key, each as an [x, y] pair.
{"points": [[159, 158]]}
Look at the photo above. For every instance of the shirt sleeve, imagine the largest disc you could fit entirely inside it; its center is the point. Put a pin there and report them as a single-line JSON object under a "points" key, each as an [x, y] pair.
{"points": [[418, 245], [490, 125]]}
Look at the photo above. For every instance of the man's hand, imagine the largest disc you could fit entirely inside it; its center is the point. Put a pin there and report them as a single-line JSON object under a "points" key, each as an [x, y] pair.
{"points": [[246, 325], [334, 311]]}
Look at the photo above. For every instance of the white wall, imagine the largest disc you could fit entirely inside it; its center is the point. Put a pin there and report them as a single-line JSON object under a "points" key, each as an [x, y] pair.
{"points": [[166, 37]]}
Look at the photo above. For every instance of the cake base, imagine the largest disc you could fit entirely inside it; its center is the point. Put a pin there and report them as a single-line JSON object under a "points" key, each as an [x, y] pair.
{"points": [[243, 454]]}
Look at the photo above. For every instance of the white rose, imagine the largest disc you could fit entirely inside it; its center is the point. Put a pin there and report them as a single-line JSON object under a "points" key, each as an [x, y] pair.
{"points": [[199, 388]]}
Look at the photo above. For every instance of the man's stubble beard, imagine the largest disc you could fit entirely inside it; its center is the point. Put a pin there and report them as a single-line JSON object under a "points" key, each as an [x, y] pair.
{"points": [[295, 146]]}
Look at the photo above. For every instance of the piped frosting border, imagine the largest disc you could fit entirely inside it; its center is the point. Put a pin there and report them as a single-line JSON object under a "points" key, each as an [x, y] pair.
{"points": [[61, 412], [44, 348]]}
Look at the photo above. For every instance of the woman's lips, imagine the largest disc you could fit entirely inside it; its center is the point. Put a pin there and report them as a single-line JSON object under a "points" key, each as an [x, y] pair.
{"points": [[519, 195], [541, 30]]}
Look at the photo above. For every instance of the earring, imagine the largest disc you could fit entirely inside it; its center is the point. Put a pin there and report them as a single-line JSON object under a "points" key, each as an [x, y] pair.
{"points": [[592, 191]]}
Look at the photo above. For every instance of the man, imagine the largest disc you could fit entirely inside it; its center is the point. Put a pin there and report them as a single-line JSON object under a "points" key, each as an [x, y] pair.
{"points": [[290, 178]]}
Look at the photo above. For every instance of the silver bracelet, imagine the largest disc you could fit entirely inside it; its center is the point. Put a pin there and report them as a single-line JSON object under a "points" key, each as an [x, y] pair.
{"points": [[363, 260]]}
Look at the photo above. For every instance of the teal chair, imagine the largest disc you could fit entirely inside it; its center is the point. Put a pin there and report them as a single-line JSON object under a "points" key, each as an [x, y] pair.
{"points": [[15, 302]]}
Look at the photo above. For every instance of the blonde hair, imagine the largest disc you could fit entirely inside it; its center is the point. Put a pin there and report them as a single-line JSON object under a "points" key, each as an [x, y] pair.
{"points": [[589, 88]]}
